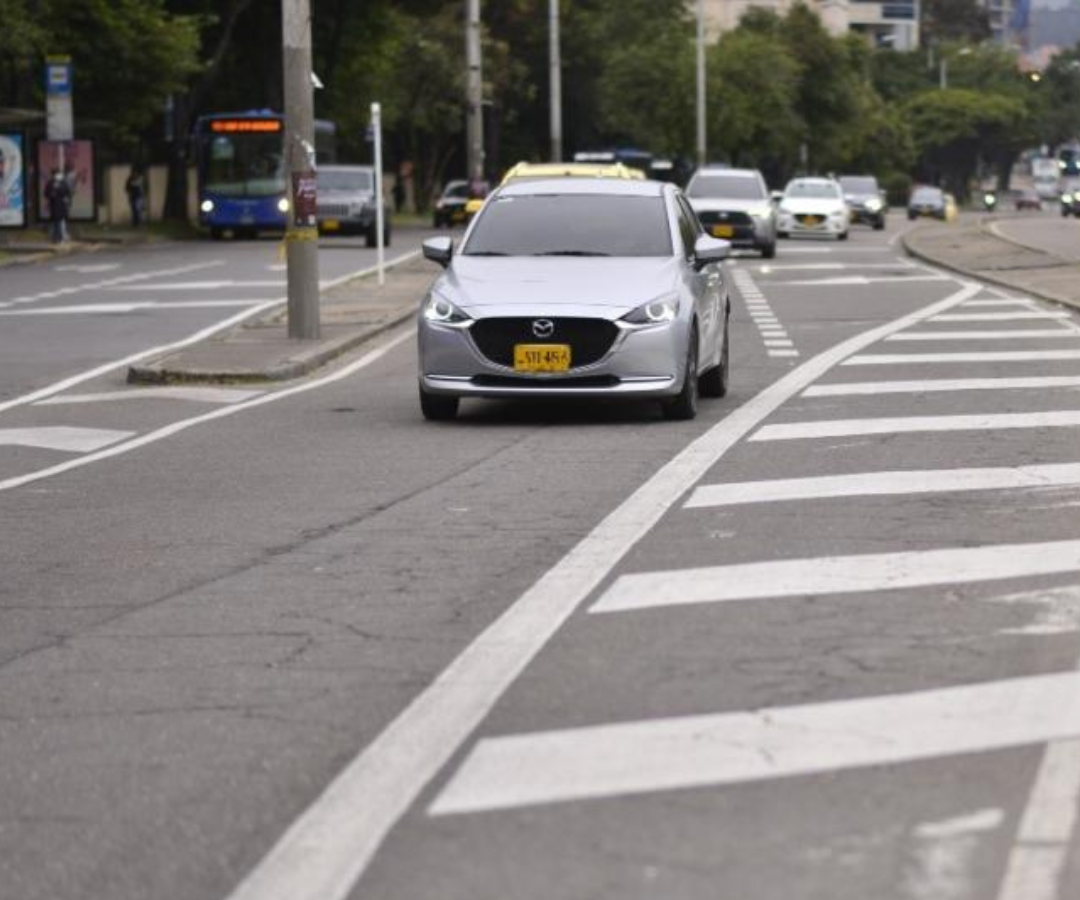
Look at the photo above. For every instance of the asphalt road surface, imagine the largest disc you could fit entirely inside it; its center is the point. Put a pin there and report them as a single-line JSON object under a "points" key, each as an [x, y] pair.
{"points": [[1047, 231], [821, 642]]}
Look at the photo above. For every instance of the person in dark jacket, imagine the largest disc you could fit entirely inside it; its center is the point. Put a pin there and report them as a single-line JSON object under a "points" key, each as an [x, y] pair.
{"points": [[136, 192], [58, 197]]}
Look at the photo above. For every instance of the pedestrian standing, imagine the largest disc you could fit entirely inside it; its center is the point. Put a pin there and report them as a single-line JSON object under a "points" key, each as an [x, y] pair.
{"points": [[58, 197], [136, 192]]}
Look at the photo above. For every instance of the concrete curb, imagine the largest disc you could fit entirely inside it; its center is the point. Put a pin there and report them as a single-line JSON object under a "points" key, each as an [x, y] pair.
{"points": [[988, 276], [301, 361]]}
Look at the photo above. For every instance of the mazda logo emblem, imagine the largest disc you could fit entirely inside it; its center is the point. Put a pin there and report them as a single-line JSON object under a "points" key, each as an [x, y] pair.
{"points": [[543, 328]]}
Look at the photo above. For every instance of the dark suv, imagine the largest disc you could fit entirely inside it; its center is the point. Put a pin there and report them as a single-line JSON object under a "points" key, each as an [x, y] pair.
{"points": [[866, 200]]}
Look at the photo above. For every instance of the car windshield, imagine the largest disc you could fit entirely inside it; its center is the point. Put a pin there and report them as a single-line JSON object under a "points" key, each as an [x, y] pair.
{"points": [[571, 225], [730, 187], [244, 165], [817, 190], [855, 185], [456, 192], [330, 180], [927, 195]]}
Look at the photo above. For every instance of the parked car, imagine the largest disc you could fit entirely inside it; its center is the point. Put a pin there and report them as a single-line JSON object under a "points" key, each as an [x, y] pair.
{"points": [[1070, 197], [577, 287], [866, 200], [734, 204], [926, 201], [450, 207], [346, 203], [1027, 198], [814, 206]]}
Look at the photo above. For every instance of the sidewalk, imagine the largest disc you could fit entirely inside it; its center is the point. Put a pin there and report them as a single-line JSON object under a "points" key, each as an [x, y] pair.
{"points": [[972, 250], [260, 349]]}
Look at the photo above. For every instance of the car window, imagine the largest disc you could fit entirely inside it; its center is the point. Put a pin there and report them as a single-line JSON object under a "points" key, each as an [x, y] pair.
{"points": [[688, 226], [730, 187], [817, 190], [571, 225], [856, 185], [927, 195], [457, 192]]}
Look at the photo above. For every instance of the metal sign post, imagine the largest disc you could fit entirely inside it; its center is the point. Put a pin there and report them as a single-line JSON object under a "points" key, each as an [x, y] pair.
{"points": [[376, 136]]}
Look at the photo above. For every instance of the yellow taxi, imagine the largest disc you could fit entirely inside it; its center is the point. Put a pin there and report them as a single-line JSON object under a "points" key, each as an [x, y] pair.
{"points": [[532, 171]]}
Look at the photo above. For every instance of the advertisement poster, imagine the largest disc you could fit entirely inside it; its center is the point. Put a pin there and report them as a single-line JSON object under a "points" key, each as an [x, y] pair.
{"points": [[12, 182], [76, 160]]}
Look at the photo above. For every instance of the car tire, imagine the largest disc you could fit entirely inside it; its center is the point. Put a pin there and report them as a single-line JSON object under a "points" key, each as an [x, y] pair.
{"points": [[769, 250], [683, 406], [438, 407], [714, 382], [879, 225], [911, 216], [842, 236], [370, 237], [782, 234], [386, 236]]}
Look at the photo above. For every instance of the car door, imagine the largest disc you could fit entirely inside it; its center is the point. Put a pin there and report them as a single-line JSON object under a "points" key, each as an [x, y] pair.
{"points": [[706, 284]]}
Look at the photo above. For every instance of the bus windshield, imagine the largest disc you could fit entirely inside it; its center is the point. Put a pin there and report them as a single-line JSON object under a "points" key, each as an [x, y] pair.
{"points": [[244, 165]]}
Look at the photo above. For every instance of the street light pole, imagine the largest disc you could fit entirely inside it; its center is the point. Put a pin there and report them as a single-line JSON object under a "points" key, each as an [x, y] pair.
{"points": [[555, 64], [301, 232], [701, 150], [474, 90]]}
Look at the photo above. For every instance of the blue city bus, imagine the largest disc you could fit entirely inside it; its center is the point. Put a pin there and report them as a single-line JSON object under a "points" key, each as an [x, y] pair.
{"points": [[240, 161]]}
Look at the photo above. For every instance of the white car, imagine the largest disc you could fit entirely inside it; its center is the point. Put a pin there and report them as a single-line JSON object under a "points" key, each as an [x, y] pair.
{"points": [[814, 206]]}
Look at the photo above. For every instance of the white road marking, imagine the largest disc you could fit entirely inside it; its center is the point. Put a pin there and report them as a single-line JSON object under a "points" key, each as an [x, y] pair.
{"points": [[201, 285], [87, 269], [944, 853], [117, 309], [790, 267], [62, 437], [941, 384], [1058, 610], [783, 352], [1001, 316], [112, 282], [1012, 334], [631, 758], [193, 394], [1005, 301], [66, 383], [837, 575], [325, 851], [793, 431], [887, 359], [779, 342], [861, 280], [879, 484]]}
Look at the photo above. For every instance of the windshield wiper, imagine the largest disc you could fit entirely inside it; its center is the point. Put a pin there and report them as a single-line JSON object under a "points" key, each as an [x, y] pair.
{"points": [[571, 253]]}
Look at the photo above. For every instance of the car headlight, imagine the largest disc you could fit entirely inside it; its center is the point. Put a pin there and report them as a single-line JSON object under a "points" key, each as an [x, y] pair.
{"points": [[839, 214], [441, 311], [873, 205], [655, 312], [207, 206], [283, 205], [1066, 198]]}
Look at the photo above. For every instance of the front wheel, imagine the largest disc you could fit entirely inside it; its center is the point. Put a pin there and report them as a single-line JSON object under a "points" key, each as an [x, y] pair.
{"points": [[879, 225], [683, 406], [769, 250], [714, 382], [438, 407], [842, 236]]}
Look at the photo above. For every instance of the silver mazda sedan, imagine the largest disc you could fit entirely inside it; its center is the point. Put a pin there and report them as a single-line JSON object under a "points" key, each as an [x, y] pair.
{"points": [[577, 287]]}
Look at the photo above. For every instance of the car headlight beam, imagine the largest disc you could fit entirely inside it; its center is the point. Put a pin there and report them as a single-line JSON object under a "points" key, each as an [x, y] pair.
{"points": [[440, 311]]}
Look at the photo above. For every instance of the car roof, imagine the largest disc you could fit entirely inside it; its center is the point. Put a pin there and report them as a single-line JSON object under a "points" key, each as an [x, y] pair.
{"points": [[570, 170], [626, 187], [716, 171], [812, 179]]}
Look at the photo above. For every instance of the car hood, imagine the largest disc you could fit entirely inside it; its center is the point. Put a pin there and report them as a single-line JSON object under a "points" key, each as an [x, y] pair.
{"points": [[526, 286], [811, 204], [719, 204]]}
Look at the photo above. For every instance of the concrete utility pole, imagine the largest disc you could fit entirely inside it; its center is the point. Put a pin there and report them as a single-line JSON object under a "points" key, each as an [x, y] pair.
{"points": [[555, 66], [701, 149], [474, 93], [301, 231]]}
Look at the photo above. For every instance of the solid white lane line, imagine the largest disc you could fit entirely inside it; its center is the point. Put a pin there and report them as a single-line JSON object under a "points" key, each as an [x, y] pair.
{"points": [[193, 394], [1001, 316], [63, 385], [869, 484], [61, 437], [325, 851], [861, 280], [940, 384], [791, 267], [201, 285], [641, 757], [1004, 301], [791, 431], [837, 575], [888, 359], [112, 282], [997, 335], [114, 309]]}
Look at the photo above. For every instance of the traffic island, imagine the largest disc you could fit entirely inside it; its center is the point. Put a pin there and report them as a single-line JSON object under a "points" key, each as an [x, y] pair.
{"points": [[351, 314], [975, 251]]}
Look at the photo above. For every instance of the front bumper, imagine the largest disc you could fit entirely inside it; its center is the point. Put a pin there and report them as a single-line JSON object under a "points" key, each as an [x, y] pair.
{"points": [[740, 229], [864, 216], [645, 362], [808, 223], [345, 220]]}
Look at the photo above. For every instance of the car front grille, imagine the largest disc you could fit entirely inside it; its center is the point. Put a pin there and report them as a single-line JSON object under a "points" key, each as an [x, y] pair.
{"points": [[333, 209], [810, 219], [509, 381], [589, 339], [724, 218]]}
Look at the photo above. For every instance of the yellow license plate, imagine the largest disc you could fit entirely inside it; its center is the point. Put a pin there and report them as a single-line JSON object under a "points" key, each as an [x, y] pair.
{"points": [[723, 231], [331, 224], [811, 221], [541, 357]]}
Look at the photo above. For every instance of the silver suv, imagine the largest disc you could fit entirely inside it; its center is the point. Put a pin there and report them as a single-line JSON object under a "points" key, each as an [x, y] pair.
{"points": [[734, 204], [346, 203]]}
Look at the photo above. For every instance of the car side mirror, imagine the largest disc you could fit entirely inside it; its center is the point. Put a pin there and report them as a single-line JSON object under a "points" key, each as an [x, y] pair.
{"points": [[439, 250], [710, 250]]}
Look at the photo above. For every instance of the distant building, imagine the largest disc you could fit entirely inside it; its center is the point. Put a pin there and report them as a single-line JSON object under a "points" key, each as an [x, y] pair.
{"points": [[887, 23]]}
